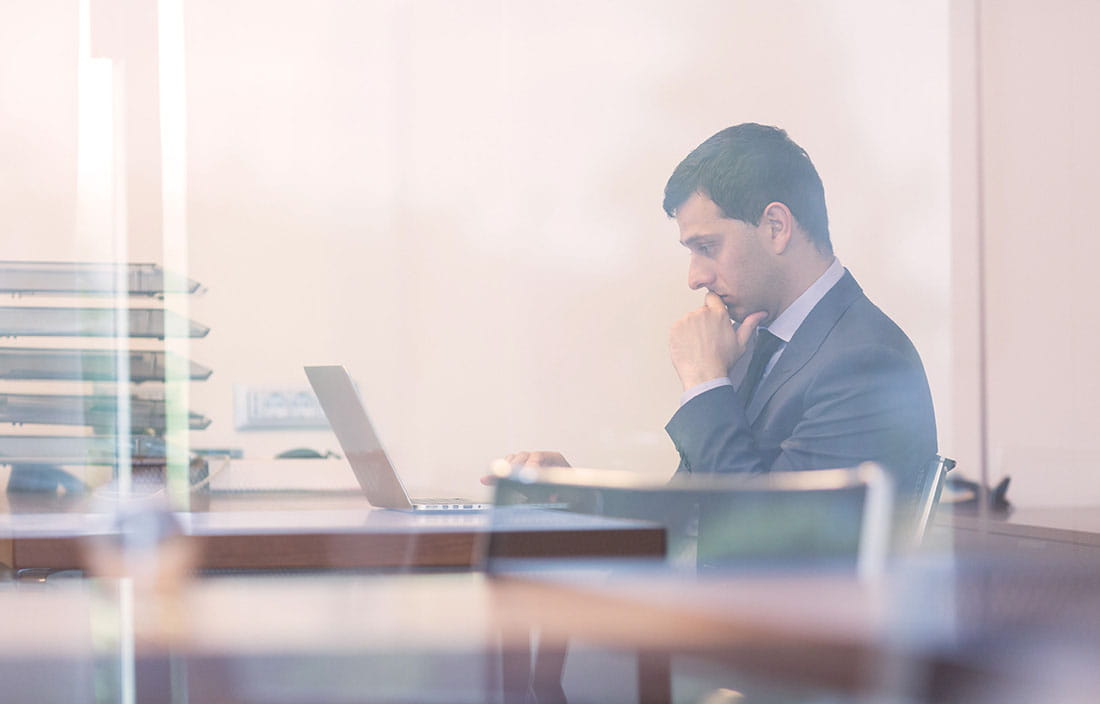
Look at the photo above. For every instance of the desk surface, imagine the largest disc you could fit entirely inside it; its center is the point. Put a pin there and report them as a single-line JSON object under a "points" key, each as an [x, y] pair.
{"points": [[1074, 525], [278, 530]]}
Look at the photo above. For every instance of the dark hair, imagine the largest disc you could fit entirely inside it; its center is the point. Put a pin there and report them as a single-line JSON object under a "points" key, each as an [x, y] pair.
{"points": [[744, 168]]}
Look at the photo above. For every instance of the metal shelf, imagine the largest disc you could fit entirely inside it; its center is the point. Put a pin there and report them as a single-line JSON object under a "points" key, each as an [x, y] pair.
{"points": [[112, 316], [89, 365], [90, 279], [38, 321], [97, 411], [65, 449]]}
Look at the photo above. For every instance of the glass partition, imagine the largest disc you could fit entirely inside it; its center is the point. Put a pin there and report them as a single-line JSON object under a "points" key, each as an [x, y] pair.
{"points": [[461, 205], [435, 210]]}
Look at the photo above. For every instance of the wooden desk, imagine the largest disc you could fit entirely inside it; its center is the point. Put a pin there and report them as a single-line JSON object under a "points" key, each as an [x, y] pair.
{"points": [[284, 531], [1070, 531]]}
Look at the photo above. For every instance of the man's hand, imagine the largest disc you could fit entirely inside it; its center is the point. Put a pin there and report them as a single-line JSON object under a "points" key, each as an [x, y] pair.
{"points": [[539, 458], [704, 343]]}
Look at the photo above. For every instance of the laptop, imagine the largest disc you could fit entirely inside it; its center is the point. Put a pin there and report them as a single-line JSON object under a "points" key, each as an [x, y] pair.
{"points": [[372, 467]]}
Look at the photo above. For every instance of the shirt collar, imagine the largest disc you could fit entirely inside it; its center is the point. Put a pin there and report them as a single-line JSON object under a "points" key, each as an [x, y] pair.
{"points": [[788, 322]]}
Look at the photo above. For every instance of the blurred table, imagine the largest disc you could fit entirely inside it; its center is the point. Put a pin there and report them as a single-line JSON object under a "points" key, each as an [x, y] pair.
{"points": [[447, 637], [406, 637], [822, 630], [919, 634]]}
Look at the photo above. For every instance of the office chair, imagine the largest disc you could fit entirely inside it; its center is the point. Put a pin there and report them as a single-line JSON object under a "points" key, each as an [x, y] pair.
{"points": [[926, 498], [822, 519], [719, 521]]}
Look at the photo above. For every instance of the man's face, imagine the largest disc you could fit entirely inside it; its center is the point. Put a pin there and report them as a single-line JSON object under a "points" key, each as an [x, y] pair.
{"points": [[728, 257]]}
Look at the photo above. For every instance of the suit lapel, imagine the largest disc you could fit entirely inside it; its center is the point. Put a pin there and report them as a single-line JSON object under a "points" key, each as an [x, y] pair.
{"points": [[806, 340]]}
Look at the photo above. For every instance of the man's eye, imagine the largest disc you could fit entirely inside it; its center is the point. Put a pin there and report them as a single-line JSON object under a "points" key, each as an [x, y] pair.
{"points": [[707, 249]]}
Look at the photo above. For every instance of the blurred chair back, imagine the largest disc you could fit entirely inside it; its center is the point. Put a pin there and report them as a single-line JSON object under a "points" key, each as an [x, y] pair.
{"points": [[837, 519], [924, 502], [821, 518], [624, 518]]}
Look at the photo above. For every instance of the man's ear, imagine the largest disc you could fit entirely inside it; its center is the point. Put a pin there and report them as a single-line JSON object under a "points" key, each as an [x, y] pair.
{"points": [[778, 225]]}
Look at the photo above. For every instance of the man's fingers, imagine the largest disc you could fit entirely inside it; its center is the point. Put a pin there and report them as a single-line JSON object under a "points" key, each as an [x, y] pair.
{"points": [[748, 326], [544, 458], [538, 458], [548, 459], [517, 459], [714, 302], [500, 467], [504, 466]]}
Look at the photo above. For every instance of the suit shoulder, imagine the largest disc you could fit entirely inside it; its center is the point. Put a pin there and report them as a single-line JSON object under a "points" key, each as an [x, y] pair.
{"points": [[864, 324]]}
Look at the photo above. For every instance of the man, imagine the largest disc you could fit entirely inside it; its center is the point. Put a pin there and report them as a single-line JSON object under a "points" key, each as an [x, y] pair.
{"points": [[809, 374]]}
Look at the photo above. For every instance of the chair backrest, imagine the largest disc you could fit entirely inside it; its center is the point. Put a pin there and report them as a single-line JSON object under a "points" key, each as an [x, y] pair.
{"points": [[929, 488], [829, 518], [825, 518]]}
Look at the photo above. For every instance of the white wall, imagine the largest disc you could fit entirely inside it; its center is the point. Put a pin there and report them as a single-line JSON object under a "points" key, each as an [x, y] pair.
{"points": [[461, 201], [1040, 104]]}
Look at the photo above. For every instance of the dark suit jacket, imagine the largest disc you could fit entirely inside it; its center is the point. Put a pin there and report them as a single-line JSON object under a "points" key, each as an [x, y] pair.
{"points": [[848, 388]]}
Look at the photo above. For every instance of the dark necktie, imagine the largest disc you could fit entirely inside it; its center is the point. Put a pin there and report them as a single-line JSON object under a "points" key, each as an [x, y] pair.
{"points": [[766, 345]]}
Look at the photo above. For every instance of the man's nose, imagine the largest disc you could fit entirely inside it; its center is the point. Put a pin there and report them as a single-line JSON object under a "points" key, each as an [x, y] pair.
{"points": [[699, 276]]}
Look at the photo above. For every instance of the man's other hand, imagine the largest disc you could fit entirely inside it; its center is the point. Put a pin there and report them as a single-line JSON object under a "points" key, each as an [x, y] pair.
{"points": [[537, 458], [704, 344]]}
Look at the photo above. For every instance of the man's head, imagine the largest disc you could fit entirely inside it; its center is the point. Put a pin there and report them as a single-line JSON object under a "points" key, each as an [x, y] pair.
{"points": [[751, 208], [744, 168]]}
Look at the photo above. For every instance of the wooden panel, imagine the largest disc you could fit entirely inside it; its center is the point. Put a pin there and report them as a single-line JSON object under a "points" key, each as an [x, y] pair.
{"points": [[7, 552], [61, 553], [337, 550]]}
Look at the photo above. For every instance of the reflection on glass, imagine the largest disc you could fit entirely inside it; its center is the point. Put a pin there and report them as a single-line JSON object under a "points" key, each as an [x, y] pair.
{"points": [[442, 198]]}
